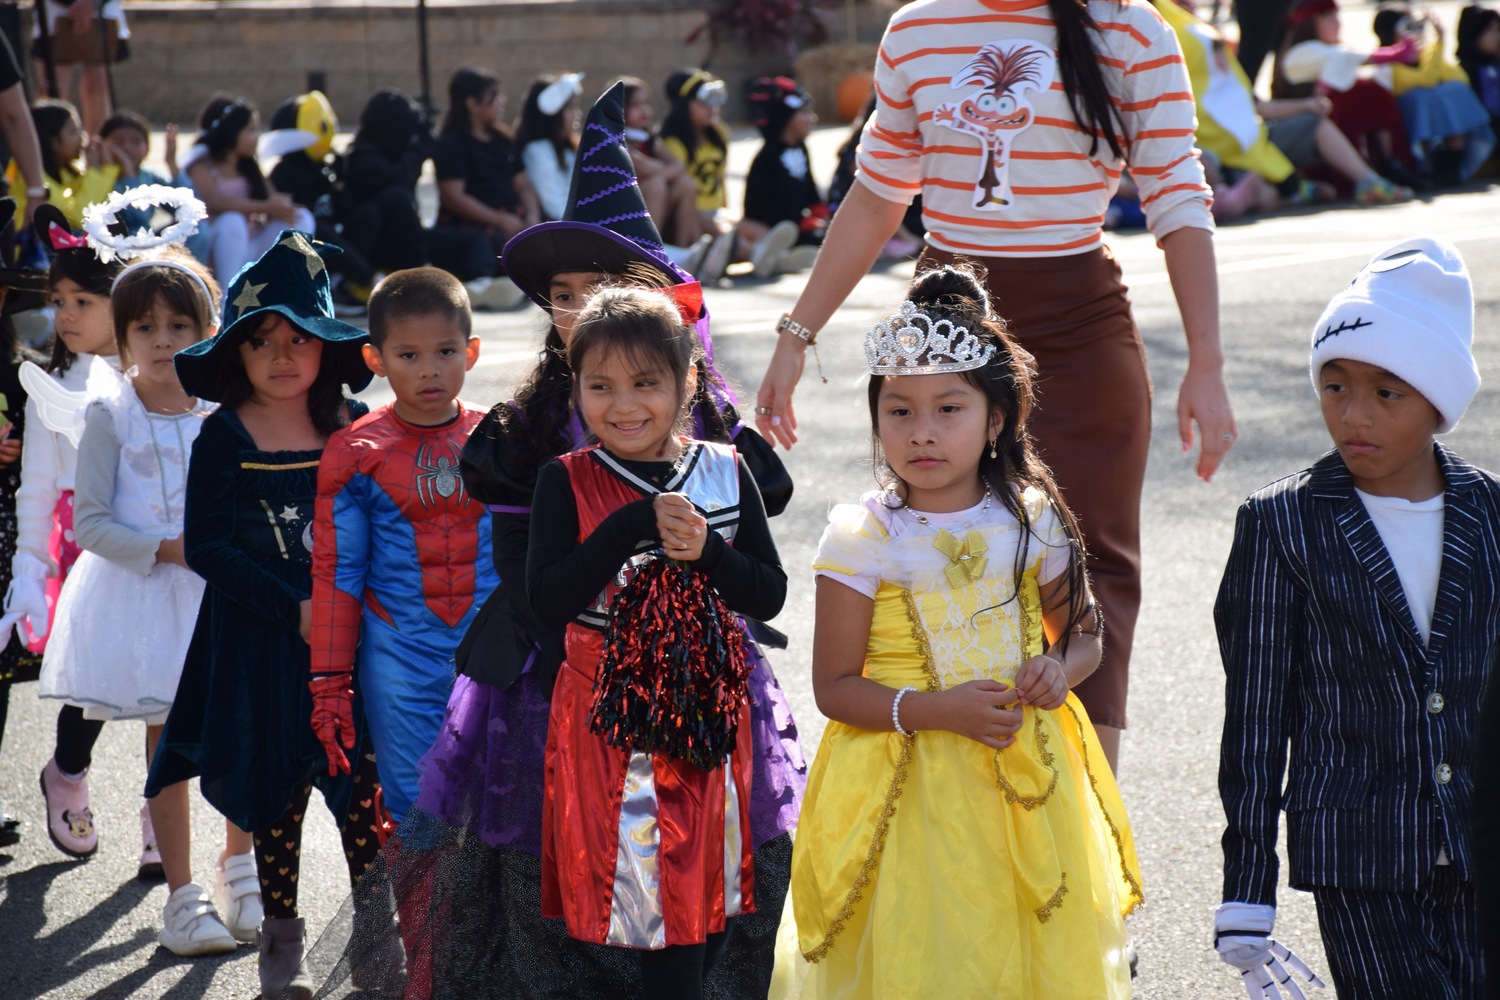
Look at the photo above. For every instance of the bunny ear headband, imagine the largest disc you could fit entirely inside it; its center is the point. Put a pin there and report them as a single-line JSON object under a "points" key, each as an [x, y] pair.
{"points": [[137, 248]]}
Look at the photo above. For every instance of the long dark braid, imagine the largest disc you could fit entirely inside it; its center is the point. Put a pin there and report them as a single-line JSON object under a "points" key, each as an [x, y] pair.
{"points": [[1082, 79], [543, 408]]}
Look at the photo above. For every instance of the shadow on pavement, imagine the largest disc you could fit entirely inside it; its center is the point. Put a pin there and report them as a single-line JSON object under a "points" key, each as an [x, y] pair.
{"points": [[195, 984], [32, 955]]}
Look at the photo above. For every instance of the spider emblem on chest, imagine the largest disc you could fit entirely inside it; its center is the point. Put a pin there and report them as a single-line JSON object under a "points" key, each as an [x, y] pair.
{"points": [[437, 475]]}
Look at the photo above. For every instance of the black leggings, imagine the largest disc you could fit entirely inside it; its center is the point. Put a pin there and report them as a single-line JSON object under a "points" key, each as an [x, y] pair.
{"points": [[76, 737], [278, 847], [677, 971]]}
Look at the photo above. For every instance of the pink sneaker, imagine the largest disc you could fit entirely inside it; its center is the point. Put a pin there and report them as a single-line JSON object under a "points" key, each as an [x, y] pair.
{"points": [[150, 869], [70, 821]]}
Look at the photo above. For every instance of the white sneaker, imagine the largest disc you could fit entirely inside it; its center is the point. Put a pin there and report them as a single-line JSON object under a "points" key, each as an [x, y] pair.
{"points": [[690, 259], [766, 256], [150, 869], [494, 293], [237, 894], [191, 927], [717, 260], [798, 258]]}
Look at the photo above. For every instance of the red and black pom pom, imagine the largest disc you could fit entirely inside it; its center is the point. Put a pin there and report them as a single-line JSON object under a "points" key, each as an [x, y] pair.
{"points": [[675, 667]]}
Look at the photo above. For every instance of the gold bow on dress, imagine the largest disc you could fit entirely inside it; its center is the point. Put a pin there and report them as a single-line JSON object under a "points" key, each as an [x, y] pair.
{"points": [[966, 558]]}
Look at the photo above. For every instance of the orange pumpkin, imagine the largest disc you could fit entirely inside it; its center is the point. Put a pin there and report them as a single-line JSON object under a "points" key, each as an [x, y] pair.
{"points": [[854, 91]]}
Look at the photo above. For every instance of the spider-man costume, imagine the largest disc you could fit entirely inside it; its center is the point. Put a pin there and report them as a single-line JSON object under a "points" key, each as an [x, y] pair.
{"points": [[402, 560]]}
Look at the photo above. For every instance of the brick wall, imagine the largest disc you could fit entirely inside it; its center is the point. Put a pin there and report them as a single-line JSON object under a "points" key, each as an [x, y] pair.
{"points": [[183, 51]]}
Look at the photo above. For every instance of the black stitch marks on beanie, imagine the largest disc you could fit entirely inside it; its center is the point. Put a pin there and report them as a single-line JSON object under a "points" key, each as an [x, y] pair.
{"points": [[1345, 327]]}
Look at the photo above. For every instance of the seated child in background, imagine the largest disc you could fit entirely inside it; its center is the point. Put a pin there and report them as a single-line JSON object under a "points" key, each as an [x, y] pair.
{"points": [[1447, 126], [312, 175], [783, 206], [670, 192], [245, 211], [78, 173], [128, 136], [547, 135], [1478, 53], [403, 557], [381, 169], [695, 135], [1313, 61], [1377, 574], [1262, 147], [908, 239], [480, 181]]}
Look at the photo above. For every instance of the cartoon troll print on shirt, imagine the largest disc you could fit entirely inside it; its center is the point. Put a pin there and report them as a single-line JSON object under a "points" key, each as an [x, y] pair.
{"points": [[998, 111]]}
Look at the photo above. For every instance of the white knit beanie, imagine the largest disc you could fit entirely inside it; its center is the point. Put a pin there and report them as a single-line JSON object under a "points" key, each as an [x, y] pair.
{"points": [[1410, 310]]}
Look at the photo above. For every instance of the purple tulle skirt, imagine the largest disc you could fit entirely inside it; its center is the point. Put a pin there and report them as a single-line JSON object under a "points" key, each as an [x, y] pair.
{"points": [[464, 869], [485, 772]]}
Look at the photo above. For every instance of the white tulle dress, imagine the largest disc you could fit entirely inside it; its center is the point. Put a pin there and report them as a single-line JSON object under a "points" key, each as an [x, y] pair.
{"points": [[123, 621]]}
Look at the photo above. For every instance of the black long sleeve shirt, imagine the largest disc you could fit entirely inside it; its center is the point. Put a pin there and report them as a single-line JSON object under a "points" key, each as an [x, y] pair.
{"points": [[564, 575]]}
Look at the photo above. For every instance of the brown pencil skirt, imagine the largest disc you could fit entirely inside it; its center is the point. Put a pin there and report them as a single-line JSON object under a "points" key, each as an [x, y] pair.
{"points": [[1092, 425]]}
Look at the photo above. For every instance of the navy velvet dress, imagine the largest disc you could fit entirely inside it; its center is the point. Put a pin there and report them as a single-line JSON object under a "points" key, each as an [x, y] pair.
{"points": [[241, 720]]}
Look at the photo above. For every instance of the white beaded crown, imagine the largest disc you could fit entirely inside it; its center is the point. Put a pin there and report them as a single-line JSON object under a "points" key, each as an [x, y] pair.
{"points": [[913, 343]]}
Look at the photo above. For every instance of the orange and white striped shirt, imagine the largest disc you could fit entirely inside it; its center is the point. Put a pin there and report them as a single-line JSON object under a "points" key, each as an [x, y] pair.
{"points": [[971, 114]]}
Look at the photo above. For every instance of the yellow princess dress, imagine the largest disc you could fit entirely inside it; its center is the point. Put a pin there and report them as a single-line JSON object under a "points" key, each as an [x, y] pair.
{"points": [[930, 865]]}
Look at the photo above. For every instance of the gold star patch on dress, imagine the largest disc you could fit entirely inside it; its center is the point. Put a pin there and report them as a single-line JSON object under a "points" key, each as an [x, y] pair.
{"points": [[299, 243], [249, 297]]}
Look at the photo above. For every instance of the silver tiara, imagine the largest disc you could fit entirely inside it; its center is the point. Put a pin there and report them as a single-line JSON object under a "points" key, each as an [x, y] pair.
{"points": [[913, 343]]}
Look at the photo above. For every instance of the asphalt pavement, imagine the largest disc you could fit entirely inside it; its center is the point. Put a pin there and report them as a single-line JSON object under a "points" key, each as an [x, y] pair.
{"points": [[88, 929]]}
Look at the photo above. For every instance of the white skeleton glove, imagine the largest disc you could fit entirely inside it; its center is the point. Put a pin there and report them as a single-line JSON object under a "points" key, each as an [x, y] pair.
{"points": [[1242, 937], [26, 600]]}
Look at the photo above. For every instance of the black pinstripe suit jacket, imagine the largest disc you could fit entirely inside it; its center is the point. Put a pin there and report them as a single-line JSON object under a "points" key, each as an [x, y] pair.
{"points": [[1328, 684]]}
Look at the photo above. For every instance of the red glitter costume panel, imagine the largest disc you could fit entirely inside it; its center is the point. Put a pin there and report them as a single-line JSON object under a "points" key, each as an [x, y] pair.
{"points": [[640, 850]]}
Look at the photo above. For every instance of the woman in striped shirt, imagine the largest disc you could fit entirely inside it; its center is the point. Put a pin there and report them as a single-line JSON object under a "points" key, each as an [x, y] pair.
{"points": [[1014, 119]]}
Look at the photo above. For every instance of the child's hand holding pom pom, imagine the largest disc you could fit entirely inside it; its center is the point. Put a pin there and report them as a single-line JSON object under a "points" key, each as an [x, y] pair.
{"points": [[682, 529]]}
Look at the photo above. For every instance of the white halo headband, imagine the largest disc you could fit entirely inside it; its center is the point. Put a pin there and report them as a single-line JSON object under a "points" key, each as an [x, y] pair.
{"points": [[176, 265], [107, 246]]}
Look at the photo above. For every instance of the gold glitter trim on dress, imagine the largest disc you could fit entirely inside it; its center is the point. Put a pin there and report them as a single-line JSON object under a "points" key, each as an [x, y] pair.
{"points": [[1114, 831], [1044, 754], [1015, 798], [919, 636], [1044, 912], [264, 467], [904, 757]]}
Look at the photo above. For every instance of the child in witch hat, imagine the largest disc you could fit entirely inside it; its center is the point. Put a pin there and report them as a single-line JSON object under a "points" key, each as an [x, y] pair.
{"points": [[241, 720], [479, 803]]}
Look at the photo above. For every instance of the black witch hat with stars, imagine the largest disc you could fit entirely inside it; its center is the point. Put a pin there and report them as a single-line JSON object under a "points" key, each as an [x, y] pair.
{"points": [[605, 226], [289, 279]]}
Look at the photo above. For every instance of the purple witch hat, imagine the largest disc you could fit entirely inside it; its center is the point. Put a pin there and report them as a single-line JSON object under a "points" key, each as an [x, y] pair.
{"points": [[605, 226]]}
